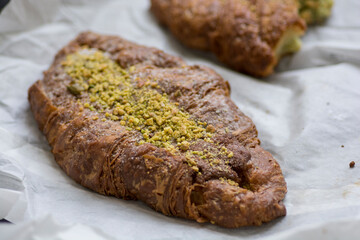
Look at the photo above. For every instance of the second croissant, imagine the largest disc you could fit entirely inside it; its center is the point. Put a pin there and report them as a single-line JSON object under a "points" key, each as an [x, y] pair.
{"points": [[249, 36]]}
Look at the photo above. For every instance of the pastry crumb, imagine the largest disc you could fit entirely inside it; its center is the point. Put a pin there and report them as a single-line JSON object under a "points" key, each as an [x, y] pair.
{"points": [[352, 164]]}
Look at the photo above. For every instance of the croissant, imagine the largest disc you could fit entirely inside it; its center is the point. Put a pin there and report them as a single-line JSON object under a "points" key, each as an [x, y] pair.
{"points": [[249, 36], [135, 123]]}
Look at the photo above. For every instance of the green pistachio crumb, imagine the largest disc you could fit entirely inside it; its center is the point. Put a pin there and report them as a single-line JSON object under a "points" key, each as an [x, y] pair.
{"points": [[137, 104]]}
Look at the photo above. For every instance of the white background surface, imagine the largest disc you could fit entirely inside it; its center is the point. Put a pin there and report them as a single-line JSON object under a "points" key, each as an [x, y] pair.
{"points": [[304, 114]]}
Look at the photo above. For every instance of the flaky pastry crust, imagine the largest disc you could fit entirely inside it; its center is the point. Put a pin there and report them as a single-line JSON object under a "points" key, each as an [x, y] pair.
{"points": [[243, 187], [250, 36]]}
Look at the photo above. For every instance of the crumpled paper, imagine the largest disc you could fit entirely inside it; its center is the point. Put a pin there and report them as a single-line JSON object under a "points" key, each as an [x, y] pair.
{"points": [[307, 115]]}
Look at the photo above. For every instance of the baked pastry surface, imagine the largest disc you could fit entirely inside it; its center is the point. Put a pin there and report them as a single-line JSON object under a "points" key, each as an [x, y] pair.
{"points": [[249, 36], [135, 123]]}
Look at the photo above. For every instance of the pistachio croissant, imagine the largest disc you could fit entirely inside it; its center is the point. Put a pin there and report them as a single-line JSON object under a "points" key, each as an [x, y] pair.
{"points": [[135, 123], [249, 36]]}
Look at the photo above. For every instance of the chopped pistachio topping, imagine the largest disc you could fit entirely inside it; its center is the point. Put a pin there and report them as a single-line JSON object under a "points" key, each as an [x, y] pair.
{"points": [[136, 104], [110, 91], [229, 181]]}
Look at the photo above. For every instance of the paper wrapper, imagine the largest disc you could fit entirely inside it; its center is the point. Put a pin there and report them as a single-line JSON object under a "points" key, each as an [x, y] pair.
{"points": [[307, 115]]}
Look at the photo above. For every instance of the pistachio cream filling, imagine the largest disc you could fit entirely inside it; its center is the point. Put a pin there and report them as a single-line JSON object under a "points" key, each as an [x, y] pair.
{"points": [[289, 43], [101, 85]]}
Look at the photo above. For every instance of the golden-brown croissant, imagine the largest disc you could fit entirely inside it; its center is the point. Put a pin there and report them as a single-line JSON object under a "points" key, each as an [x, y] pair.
{"points": [[250, 36], [135, 123]]}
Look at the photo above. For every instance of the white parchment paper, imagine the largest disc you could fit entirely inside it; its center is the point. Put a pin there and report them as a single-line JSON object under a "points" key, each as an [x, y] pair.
{"points": [[307, 115]]}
